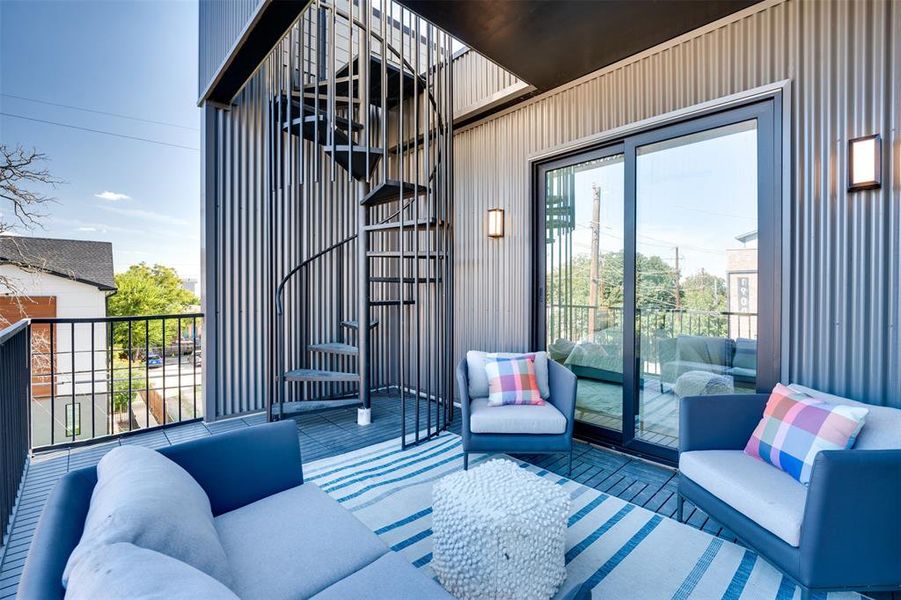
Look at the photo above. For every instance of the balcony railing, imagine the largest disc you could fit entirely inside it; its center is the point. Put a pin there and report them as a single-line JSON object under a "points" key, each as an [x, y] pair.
{"points": [[97, 377], [585, 322], [14, 431]]}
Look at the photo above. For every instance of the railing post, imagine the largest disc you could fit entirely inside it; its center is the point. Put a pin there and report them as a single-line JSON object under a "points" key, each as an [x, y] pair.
{"points": [[364, 413]]}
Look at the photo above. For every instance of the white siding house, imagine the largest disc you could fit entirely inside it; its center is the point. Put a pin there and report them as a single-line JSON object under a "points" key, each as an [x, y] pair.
{"points": [[62, 279]]}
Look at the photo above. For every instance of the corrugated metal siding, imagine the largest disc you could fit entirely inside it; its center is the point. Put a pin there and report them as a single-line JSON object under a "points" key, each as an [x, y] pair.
{"points": [[220, 22], [844, 60], [477, 79]]}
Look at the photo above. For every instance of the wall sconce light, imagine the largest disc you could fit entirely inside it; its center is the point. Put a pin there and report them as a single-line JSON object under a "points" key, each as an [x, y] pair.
{"points": [[865, 163], [496, 222]]}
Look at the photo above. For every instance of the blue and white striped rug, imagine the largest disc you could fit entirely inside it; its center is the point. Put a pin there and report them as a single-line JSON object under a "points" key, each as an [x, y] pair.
{"points": [[624, 550]]}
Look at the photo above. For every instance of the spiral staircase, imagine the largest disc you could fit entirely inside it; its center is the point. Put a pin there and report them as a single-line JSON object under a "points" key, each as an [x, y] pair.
{"points": [[373, 138]]}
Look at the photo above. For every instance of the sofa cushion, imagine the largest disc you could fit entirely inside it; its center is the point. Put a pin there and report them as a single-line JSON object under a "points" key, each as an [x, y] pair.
{"points": [[705, 349], [391, 576], [123, 571], [796, 427], [883, 422], [745, 354], [767, 496], [294, 544], [478, 378], [512, 381], [144, 498], [531, 419]]}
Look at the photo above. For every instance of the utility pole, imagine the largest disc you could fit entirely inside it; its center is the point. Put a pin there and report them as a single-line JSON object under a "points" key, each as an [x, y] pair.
{"points": [[595, 250], [678, 282]]}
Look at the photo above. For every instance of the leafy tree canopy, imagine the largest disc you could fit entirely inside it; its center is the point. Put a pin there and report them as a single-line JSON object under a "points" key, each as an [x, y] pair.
{"points": [[144, 290]]}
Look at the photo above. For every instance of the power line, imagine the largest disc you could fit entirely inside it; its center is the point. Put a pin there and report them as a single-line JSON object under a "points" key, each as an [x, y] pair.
{"points": [[118, 135], [100, 112]]}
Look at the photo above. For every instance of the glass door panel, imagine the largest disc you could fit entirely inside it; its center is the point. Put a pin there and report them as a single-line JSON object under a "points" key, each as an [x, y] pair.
{"points": [[696, 272], [584, 283]]}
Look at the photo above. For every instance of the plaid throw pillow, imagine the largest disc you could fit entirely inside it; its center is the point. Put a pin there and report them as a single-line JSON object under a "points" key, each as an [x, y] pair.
{"points": [[796, 426], [512, 381]]}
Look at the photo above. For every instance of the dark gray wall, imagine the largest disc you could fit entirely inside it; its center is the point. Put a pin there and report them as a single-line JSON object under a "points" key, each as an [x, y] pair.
{"points": [[221, 23], [844, 63]]}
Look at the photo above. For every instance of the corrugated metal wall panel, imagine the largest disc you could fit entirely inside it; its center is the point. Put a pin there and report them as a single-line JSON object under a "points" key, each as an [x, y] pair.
{"points": [[220, 22], [476, 79], [844, 61]]}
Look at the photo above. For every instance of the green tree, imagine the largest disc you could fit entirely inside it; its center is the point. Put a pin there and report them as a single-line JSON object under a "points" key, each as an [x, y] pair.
{"points": [[704, 291], [144, 290]]}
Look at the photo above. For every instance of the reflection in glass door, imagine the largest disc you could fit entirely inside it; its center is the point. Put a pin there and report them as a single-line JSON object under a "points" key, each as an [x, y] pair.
{"points": [[696, 272], [584, 283]]}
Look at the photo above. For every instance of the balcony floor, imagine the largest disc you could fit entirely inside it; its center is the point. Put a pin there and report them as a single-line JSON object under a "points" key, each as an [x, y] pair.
{"points": [[330, 433]]}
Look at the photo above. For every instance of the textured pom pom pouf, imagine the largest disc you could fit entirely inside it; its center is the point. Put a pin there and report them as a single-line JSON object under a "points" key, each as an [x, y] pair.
{"points": [[499, 531], [621, 550]]}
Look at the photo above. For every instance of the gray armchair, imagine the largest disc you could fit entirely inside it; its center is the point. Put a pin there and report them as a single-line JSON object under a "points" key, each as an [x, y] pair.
{"points": [[544, 429]]}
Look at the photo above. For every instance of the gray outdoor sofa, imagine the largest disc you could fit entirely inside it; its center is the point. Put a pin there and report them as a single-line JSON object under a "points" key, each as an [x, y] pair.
{"points": [[842, 532], [282, 538]]}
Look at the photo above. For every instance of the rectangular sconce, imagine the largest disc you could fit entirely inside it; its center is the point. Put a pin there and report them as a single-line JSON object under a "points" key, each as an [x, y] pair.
{"points": [[865, 163], [496, 222]]}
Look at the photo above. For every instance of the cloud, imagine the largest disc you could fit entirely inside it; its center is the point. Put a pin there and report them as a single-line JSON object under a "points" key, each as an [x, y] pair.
{"points": [[112, 196], [146, 215], [87, 229]]}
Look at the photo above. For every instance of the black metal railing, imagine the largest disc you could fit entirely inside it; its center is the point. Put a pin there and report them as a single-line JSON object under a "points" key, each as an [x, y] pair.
{"points": [[585, 322], [15, 440], [97, 377]]}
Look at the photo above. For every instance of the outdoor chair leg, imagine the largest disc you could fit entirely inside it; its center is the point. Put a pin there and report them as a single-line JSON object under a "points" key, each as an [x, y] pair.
{"points": [[680, 503], [466, 461], [570, 472]]}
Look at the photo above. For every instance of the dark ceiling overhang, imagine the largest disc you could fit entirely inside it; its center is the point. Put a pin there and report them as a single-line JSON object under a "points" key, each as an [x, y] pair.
{"points": [[548, 43], [268, 25]]}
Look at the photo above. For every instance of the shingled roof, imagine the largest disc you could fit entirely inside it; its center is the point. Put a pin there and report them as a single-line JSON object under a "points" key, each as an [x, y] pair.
{"points": [[84, 261]]}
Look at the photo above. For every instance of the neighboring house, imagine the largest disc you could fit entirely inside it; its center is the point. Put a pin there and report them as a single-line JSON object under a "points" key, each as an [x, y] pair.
{"points": [[65, 279]]}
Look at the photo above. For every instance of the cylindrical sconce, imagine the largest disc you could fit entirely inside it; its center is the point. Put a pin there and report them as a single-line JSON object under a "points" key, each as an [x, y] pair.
{"points": [[865, 163], [496, 222]]}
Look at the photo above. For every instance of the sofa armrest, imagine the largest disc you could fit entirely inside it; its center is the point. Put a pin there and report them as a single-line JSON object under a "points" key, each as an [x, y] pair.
{"points": [[563, 383], [723, 422], [463, 388], [58, 532], [851, 532], [240, 467]]}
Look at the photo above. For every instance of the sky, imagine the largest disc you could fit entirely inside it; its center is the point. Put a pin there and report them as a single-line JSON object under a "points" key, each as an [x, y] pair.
{"points": [[135, 64], [698, 194]]}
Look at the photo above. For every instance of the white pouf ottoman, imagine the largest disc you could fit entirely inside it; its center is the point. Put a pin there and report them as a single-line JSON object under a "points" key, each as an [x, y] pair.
{"points": [[499, 531]]}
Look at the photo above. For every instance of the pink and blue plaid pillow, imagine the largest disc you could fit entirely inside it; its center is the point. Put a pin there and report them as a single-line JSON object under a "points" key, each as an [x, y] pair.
{"points": [[796, 426], [512, 381]]}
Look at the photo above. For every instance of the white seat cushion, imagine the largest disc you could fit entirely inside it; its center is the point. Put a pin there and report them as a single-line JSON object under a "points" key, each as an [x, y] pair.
{"points": [[880, 432], [515, 418], [143, 498], [124, 571], [294, 544], [761, 492]]}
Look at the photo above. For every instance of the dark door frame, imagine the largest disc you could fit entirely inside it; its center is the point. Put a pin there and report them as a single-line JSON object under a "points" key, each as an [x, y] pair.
{"points": [[772, 217]]}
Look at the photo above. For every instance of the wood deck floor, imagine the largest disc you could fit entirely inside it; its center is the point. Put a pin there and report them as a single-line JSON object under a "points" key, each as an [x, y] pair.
{"points": [[327, 434]]}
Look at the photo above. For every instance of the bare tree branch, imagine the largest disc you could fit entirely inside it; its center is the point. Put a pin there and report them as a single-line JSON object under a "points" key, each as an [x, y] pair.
{"points": [[24, 182]]}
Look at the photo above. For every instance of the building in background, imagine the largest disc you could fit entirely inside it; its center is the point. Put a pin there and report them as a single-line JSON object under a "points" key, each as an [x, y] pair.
{"points": [[741, 269], [61, 279]]}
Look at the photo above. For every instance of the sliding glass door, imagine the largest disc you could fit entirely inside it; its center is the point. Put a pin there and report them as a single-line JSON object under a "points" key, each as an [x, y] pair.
{"points": [[584, 281], [657, 275]]}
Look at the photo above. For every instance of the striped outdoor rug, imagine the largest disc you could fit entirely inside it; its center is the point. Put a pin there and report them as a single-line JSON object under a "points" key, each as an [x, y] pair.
{"points": [[625, 551]]}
